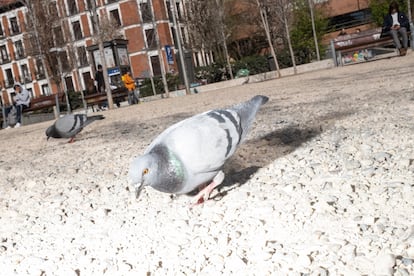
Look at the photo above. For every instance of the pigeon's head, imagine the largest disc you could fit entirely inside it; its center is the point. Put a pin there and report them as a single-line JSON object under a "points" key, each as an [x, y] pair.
{"points": [[51, 132], [143, 172]]}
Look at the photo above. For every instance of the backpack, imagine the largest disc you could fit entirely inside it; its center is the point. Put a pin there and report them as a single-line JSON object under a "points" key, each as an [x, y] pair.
{"points": [[12, 117]]}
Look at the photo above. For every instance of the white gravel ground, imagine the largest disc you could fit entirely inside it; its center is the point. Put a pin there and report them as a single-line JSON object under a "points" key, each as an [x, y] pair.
{"points": [[324, 185]]}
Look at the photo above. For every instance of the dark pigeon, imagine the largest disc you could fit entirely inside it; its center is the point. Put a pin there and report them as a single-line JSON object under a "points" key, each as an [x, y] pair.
{"points": [[70, 125]]}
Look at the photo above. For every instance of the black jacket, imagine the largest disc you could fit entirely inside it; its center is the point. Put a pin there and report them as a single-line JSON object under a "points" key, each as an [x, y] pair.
{"points": [[402, 19]]}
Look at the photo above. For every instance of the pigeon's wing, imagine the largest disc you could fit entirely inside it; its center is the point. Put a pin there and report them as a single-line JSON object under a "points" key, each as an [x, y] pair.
{"points": [[70, 125], [205, 141]]}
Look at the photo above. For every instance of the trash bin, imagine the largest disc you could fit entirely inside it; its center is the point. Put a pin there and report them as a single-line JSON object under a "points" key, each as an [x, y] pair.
{"points": [[272, 63]]}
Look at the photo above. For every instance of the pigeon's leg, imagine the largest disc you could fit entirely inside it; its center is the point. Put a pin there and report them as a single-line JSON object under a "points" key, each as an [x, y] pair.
{"points": [[204, 194], [72, 139]]}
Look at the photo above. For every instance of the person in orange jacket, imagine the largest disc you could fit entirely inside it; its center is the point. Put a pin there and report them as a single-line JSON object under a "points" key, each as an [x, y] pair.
{"points": [[130, 85]]}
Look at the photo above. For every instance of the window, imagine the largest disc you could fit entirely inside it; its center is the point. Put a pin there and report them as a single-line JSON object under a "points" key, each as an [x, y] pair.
{"points": [[83, 59], [69, 84], [14, 25], [115, 17], [4, 55], [19, 49], [351, 19], [88, 5], [9, 78], [40, 73], [58, 36], [77, 32], [88, 82], [25, 73], [72, 7], [174, 36], [53, 12], [184, 38], [179, 15], [32, 45], [111, 1], [46, 90], [150, 36], [156, 68], [170, 16], [146, 12], [1, 30], [62, 56]]}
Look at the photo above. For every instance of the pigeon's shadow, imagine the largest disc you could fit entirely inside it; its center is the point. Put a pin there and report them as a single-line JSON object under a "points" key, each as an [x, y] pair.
{"points": [[257, 153]]}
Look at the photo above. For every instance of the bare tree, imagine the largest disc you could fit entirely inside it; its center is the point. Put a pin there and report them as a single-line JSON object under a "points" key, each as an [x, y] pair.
{"points": [[315, 35], [281, 11], [42, 17], [207, 27], [266, 26]]}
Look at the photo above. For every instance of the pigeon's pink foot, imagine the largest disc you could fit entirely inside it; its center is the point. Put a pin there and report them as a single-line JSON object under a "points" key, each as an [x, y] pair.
{"points": [[204, 194], [71, 140]]}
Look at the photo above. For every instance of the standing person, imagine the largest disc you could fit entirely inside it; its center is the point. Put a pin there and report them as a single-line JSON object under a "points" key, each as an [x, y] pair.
{"points": [[397, 23], [130, 85], [100, 85], [100, 81], [21, 101]]}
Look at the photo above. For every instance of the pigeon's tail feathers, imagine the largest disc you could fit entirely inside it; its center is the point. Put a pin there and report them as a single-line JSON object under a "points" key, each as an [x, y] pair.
{"points": [[247, 112], [97, 117], [93, 118]]}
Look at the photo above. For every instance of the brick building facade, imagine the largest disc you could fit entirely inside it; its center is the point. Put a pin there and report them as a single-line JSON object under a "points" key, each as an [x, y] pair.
{"points": [[136, 20]]}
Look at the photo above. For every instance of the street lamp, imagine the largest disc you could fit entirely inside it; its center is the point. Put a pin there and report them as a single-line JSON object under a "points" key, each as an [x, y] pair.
{"points": [[180, 47]]}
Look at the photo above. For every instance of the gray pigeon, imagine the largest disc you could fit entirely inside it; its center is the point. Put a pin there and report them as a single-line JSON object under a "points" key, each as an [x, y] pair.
{"points": [[70, 125], [191, 153]]}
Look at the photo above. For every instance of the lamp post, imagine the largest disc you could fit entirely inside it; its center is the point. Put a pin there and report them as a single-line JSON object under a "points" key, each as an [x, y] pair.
{"points": [[180, 47]]}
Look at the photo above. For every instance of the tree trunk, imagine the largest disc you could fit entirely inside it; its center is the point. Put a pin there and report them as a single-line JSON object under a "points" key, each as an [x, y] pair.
{"points": [[315, 37], [269, 39], [292, 54], [223, 37], [160, 56], [101, 53]]}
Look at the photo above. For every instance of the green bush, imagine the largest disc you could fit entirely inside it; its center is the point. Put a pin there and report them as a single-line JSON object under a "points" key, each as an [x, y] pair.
{"points": [[146, 86], [75, 100], [212, 73], [255, 64], [218, 71]]}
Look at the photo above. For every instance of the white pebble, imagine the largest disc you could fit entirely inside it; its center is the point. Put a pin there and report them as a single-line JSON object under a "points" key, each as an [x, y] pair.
{"points": [[384, 264]]}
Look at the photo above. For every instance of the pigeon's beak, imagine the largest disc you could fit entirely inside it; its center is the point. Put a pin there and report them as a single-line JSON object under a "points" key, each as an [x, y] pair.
{"points": [[138, 189]]}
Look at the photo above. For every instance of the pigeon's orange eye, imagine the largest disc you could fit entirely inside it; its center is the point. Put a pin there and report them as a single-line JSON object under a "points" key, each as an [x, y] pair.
{"points": [[145, 171]]}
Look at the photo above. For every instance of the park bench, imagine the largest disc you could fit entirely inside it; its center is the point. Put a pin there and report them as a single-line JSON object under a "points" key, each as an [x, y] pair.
{"points": [[40, 103], [363, 46], [44, 102], [118, 95]]}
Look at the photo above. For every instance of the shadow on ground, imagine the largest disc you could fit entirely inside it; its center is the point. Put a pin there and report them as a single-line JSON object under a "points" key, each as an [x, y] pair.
{"points": [[257, 153]]}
